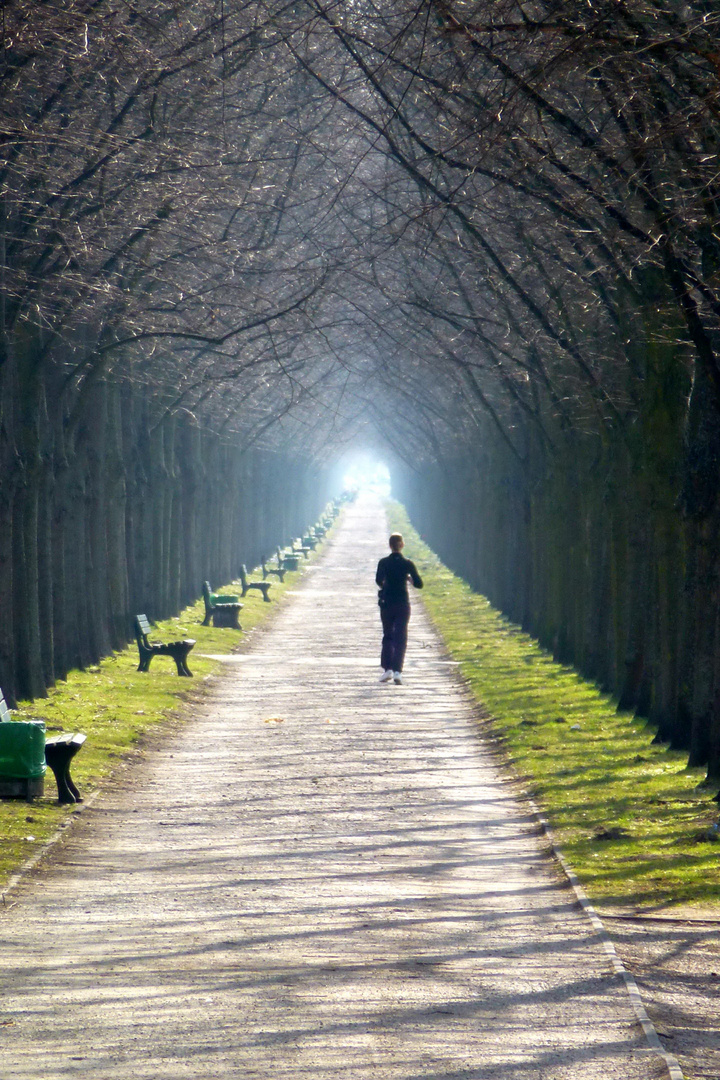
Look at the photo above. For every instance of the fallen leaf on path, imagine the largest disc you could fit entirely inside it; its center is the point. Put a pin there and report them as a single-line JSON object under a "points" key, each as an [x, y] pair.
{"points": [[274, 720]]}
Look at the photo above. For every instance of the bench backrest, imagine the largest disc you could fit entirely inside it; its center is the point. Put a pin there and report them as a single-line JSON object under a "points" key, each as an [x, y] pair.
{"points": [[142, 624], [4, 711], [207, 596]]}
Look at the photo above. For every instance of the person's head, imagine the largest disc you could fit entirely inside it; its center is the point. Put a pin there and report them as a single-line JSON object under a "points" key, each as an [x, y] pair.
{"points": [[396, 542]]}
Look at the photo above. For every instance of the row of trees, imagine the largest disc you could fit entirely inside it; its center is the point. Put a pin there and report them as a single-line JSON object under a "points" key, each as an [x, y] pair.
{"points": [[130, 510], [153, 279]]}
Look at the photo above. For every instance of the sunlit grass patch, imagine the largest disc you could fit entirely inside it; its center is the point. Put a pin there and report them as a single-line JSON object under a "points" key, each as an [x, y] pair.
{"points": [[626, 812], [116, 706]]}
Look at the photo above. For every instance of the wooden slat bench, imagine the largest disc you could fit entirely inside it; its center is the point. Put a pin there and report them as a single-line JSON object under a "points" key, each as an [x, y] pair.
{"points": [[276, 571], [179, 650], [222, 608], [288, 560], [261, 586], [297, 547]]}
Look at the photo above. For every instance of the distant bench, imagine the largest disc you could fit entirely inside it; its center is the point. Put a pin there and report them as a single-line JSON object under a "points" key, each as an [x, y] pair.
{"points": [[288, 560], [278, 570], [299, 548], [223, 609], [179, 650], [261, 586]]}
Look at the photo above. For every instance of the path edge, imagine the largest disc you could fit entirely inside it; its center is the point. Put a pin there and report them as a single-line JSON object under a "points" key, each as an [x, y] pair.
{"points": [[653, 1039], [55, 838]]}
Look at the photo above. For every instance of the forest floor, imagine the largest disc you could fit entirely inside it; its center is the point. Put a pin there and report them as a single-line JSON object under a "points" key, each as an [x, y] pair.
{"points": [[315, 874]]}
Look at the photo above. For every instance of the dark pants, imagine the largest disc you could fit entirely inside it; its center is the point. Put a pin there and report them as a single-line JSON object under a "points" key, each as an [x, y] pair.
{"points": [[395, 619]]}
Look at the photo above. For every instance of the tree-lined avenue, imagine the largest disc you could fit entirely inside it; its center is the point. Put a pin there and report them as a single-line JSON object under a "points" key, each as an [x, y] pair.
{"points": [[317, 875], [238, 239]]}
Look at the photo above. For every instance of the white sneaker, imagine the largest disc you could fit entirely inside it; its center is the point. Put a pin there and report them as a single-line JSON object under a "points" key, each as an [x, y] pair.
{"points": [[386, 676], [397, 678]]}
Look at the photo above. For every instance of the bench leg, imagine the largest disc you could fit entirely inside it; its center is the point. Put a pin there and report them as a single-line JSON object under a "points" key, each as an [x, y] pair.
{"points": [[71, 786], [146, 655], [181, 665], [67, 792]]}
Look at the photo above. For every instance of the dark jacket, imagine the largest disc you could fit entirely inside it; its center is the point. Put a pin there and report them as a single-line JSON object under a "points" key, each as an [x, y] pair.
{"points": [[391, 578]]}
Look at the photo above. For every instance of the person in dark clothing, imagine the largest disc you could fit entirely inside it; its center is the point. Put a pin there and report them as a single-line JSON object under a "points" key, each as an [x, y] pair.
{"points": [[391, 578]]}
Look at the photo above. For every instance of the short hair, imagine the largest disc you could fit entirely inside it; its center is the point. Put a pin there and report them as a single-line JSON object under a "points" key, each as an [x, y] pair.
{"points": [[395, 540]]}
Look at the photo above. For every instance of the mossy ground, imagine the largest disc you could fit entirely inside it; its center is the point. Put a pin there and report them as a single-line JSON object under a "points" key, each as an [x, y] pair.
{"points": [[116, 706], [627, 812]]}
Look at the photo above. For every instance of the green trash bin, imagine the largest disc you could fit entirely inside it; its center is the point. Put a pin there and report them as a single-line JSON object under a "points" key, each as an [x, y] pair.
{"points": [[22, 758]]}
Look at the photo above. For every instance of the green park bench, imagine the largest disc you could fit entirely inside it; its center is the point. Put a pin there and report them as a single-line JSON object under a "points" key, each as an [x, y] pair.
{"points": [[222, 608], [24, 753], [297, 547], [260, 586], [277, 571], [288, 560], [179, 650]]}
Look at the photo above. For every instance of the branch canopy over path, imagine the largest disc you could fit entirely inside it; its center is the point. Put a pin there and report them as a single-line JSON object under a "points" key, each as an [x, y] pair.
{"points": [[318, 876]]}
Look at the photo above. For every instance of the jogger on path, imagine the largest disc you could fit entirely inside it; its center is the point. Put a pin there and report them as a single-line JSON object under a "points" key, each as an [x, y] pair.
{"points": [[391, 578]]}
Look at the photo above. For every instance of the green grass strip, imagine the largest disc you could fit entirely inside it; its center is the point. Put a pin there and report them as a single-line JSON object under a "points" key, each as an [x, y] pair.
{"points": [[116, 706], [627, 813]]}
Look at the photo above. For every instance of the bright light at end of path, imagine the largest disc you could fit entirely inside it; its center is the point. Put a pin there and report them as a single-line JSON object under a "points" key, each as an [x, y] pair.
{"points": [[367, 475]]}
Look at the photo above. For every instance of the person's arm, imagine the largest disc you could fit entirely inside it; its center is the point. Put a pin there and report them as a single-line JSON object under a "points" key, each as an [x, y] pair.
{"points": [[380, 574], [416, 579]]}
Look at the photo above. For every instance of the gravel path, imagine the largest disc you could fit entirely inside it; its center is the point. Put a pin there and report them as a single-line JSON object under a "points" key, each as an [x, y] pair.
{"points": [[319, 876]]}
